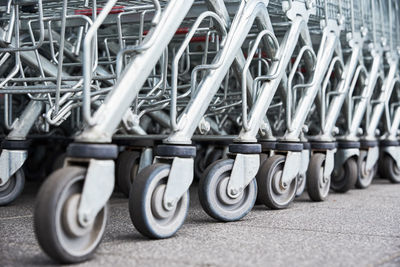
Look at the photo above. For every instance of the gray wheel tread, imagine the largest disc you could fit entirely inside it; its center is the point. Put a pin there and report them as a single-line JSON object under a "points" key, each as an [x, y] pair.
{"points": [[263, 180], [136, 200], [45, 212], [350, 176], [126, 162], [313, 174], [204, 192]]}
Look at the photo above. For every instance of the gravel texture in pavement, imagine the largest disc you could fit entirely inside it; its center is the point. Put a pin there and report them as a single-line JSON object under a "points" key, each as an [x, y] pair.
{"points": [[359, 228]]}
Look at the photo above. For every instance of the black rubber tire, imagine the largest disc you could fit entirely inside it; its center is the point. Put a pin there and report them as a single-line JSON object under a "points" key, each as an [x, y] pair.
{"points": [[59, 162], [376, 171], [392, 172], [202, 161], [150, 183], [381, 172], [268, 171], [49, 217], [219, 205], [315, 189], [346, 179], [127, 170], [36, 165], [364, 179], [263, 158], [13, 188], [199, 163], [217, 154]]}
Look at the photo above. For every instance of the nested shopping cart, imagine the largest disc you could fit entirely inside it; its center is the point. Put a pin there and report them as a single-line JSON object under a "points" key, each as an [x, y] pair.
{"points": [[343, 67], [42, 60], [382, 117], [146, 75], [365, 86], [258, 99]]}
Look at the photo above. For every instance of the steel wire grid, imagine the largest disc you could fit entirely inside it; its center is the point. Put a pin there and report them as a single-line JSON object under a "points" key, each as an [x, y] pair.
{"points": [[130, 34], [386, 24], [378, 21], [53, 8], [105, 36], [108, 40], [355, 22], [38, 84], [395, 24], [275, 7], [54, 5], [355, 14], [329, 10], [155, 94], [368, 18], [201, 50]]}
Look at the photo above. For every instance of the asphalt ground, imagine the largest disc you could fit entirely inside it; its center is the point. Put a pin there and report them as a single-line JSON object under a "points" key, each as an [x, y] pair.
{"points": [[359, 228]]}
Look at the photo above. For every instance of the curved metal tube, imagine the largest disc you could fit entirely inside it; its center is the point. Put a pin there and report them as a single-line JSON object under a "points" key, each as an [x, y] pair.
{"points": [[41, 32], [290, 80], [246, 68], [174, 71]]}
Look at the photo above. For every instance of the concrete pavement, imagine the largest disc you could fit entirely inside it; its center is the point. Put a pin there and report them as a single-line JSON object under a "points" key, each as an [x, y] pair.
{"points": [[360, 228]]}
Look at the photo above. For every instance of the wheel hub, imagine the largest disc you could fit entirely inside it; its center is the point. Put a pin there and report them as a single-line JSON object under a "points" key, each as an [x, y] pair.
{"points": [[160, 210], [324, 179], [225, 196], [277, 184], [5, 186], [70, 218], [300, 179], [339, 175], [365, 173], [325, 183]]}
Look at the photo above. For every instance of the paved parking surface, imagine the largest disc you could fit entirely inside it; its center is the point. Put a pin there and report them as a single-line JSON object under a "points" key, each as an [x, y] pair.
{"points": [[360, 228]]}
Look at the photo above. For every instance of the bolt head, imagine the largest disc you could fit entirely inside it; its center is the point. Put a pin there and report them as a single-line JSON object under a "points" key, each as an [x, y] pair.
{"points": [[85, 219], [234, 192]]}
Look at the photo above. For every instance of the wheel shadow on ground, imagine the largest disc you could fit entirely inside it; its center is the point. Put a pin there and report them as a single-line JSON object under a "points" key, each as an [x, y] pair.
{"points": [[380, 181], [134, 236]]}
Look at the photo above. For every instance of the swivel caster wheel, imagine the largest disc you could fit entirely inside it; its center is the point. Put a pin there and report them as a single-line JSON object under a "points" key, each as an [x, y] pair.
{"points": [[214, 196], [272, 192], [56, 224], [317, 185], [345, 178], [391, 170], [13, 188], [148, 212], [301, 184], [364, 177], [127, 169]]}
